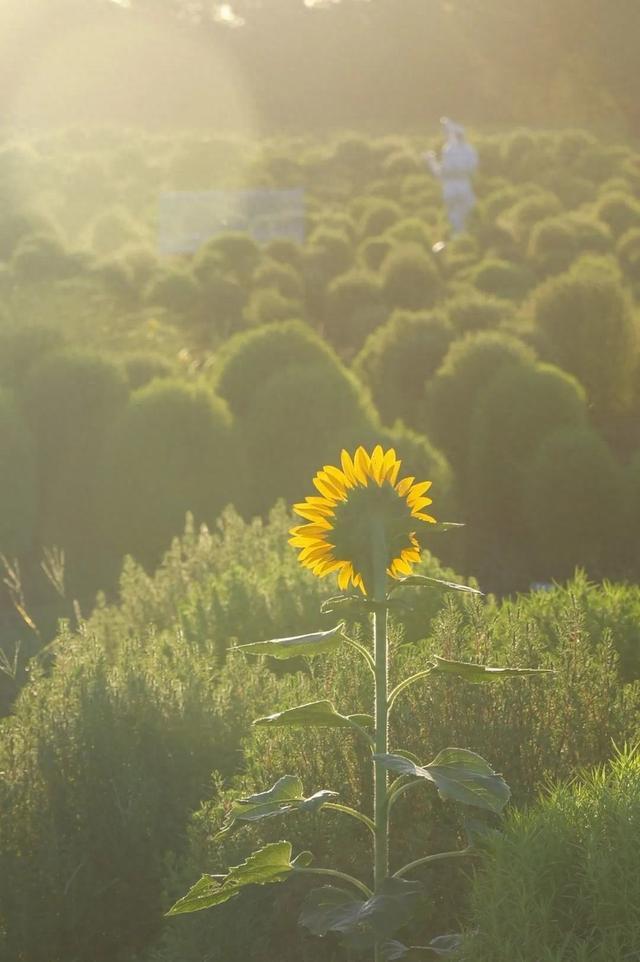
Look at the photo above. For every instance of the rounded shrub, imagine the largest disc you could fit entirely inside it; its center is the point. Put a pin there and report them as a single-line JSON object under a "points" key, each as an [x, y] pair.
{"points": [[354, 307], [628, 252], [575, 506], [72, 399], [552, 245], [141, 368], [174, 450], [300, 417], [502, 278], [451, 395], [589, 323], [373, 251], [410, 278], [529, 211], [619, 211], [515, 411], [377, 217], [329, 252], [21, 346], [474, 311], [268, 306], [17, 480], [284, 251], [239, 253], [43, 258], [282, 277], [249, 359], [397, 360], [176, 290]]}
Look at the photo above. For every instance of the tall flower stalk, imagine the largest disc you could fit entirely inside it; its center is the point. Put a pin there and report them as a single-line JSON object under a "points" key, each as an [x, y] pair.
{"points": [[361, 526]]}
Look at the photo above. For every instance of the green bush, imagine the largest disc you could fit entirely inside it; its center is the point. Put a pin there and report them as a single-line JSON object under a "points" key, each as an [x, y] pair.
{"points": [[552, 245], [377, 217], [176, 290], [239, 254], [620, 212], [514, 412], [561, 878], [43, 258], [142, 368], [501, 278], [526, 213], [451, 395], [397, 360], [282, 277], [410, 278], [173, 451], [249, 359], [628, 252], [473, 311], [575, 506], [285, 252], [353, 309], [374, 250], [301, 416], [589, 323], [17, 480], [72, 399], [268, 306], [329, 252], [21, 346], [102, 763]]}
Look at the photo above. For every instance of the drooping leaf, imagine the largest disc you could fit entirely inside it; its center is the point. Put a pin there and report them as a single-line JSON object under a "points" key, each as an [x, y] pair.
{"points": [[318, 643], [443, 526], [459, 775], [283, 798], [422, 581], [481, 674], [358, 922], [270, 864], [319, 714], [442, 946]]}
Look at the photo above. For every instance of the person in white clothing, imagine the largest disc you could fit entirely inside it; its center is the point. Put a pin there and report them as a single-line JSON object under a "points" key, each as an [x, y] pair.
{"points": [[454, 171]]}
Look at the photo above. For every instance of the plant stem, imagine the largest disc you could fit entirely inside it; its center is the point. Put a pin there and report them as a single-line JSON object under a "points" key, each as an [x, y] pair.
{"points": [[380, 775], [366, 891]]}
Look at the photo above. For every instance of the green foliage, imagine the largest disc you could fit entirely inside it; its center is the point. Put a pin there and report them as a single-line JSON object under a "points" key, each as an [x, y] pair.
{"points": [[248, 360], [620, 212], [410, 278], [143, 368], [398, 358], [176, 290], [501, 278], [561, 878], [451, 395], [377, 217], [17, 481], [590, 325], [354, 308], [575, 503], [552, 245], [300, 416], [72, 399], [174, 450], [515, 412], [473, 311], [21, 346]]}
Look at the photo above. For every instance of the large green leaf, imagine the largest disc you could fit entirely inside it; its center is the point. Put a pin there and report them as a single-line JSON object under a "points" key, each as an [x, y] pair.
{"points": [[320, 714], [423, 581], [270, 864], [283, 798], [355, 921], [443, 946], [481, 674], [318, 643], [459, 775]]}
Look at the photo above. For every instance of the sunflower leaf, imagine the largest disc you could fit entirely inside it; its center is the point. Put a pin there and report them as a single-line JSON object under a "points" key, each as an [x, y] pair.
{"points": [[423, 581], [283, 798], [269, 864], [459, 775], [318, 643], [361, 923], [443, 946], [320, 714], [481, 674]]}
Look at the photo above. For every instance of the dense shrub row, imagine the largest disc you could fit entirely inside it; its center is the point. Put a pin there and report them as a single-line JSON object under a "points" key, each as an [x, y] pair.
{"points": [[106, 757]]}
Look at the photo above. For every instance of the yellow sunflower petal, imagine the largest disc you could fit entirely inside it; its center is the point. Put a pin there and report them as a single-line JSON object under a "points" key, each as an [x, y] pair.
{"points": [[327, 487], [425, 517], [311, 514], [362, 465], [338, 477], [345, 576], [347, 467], [377, 462], [419, 503], [403, 486], [418, 490], [388, 463]]}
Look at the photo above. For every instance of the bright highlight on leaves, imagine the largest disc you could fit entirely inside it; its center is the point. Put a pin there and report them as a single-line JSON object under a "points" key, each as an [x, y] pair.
{"points": [[318, 643], [283, 798], [481, 674], [319, 714], [364, 492], [361, 923], [270, 864], [459, 775]]}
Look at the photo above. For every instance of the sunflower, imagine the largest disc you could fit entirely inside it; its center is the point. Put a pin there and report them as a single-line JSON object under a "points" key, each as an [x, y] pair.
{"points": [[353, 502]]}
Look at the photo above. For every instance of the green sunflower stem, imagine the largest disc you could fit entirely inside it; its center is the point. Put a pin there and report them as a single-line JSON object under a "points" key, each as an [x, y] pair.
{"points": [[380, 775]]}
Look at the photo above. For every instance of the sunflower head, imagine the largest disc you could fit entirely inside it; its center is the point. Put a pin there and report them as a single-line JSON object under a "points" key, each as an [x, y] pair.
{"points": [[358, 506]]}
